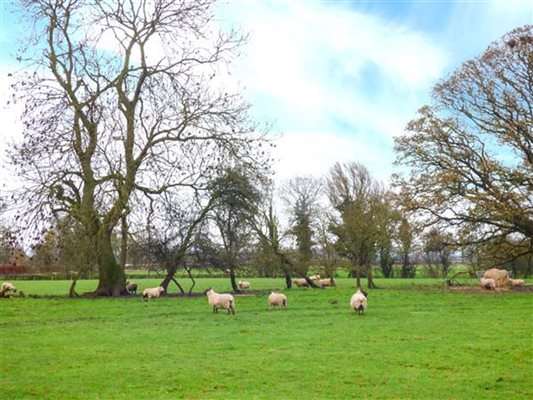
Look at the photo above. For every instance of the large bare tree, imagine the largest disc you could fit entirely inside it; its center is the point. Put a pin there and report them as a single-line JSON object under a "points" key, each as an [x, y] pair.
{"points": [[470, 153], [124, 97]]}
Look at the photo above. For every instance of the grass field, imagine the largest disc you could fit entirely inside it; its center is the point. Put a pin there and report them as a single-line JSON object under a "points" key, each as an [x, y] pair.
{"points": [[416, 341]]}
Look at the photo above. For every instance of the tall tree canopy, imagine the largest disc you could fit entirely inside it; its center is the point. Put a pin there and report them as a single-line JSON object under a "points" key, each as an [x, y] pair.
{"points": [[357, 198], [470, 153], [125, 97], [300, 196]]}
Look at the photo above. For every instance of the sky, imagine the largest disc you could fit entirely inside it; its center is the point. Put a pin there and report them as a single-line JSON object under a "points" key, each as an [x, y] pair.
{"points": [[336, 80]]}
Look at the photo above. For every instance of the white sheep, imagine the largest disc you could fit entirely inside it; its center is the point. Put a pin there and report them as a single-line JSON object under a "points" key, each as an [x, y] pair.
{"points": [[243, 285], [487, 283], [301, 282], [327, 282], [220, 300], [8, 286], [153, 292], [314, 277], [359, 301], [500, 276], [277, 299], [517, 282]]}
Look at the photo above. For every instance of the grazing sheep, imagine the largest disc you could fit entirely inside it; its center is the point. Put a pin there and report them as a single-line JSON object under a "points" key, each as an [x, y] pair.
{"points": [[516, 282], [301, 282], [131, 287], [487, 283], [243, 285], [500, 276], [359, 301], [221, 300], [7, 286], [314, 277], [153, 292], [277, 299], [328, 282]]}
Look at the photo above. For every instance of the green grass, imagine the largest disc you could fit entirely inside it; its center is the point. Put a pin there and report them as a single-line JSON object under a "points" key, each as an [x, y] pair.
{"points": [[416, 341]]}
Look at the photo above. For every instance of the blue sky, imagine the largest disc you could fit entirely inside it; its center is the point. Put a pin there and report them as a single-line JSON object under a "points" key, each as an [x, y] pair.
{"points": [[337, 79]]}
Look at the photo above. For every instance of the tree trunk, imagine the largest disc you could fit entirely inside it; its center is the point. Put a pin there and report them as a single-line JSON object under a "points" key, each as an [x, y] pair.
{"points": [[311, 283], [285, 264], [123, 242], [288, 280], [370, 277], [112, 281], [232, 279], [356, 270], [72, 292], [191, 278], [406, 273], [171, 268]]}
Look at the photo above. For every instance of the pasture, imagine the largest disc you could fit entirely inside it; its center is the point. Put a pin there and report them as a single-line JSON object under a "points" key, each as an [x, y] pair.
{"points": [[415, 341]]}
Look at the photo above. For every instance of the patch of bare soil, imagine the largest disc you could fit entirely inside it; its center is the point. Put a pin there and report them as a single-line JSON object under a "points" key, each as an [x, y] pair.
{"points": [[526, 288]]}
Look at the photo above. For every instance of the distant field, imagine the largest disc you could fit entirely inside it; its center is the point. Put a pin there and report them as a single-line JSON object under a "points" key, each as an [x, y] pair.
{"points": [[416, 341]]}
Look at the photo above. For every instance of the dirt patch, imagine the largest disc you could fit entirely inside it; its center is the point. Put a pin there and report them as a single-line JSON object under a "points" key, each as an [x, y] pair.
{"points": [[526, 288]]}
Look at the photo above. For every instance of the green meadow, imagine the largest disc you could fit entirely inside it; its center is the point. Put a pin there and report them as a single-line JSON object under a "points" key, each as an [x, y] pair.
{"points": [[417, 340]]}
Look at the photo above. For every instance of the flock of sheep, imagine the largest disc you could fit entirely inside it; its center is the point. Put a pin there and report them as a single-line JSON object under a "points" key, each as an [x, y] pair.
{"points": [[226, 301], [492, 279], [495, 278]]}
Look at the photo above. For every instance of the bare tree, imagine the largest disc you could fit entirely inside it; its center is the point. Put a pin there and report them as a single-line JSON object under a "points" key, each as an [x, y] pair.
{"points": [[355, 195], [172, 226], [470, 153], [405, 239], [237, 199], [123, 99], [301, 196], [267, 229], [387, 219], [327, 253]]}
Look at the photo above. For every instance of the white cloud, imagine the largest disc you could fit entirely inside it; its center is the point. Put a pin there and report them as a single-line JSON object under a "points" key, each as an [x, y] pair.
{"points": [[339, 83], [314, 153]]}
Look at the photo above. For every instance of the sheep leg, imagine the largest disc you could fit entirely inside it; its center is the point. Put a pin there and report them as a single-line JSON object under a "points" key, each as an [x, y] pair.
{"points": [[215, 309]]}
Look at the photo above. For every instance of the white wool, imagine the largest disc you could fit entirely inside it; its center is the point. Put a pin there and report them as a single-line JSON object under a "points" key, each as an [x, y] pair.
{"points": [[487, 283], [517, 282], [7, 286], [500, 276], [301, 282], [359, 302], [277, 299], [221, 300], [327, 282], [243, 285], [153, 292], [314, 277]]}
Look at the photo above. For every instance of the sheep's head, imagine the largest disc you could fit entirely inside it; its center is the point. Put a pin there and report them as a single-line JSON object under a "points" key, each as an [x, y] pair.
{"points": [[206, 291], [161, 289]]}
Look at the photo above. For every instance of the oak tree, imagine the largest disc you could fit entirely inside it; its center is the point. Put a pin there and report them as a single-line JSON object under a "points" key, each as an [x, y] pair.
{"points": [[469, 154]]}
